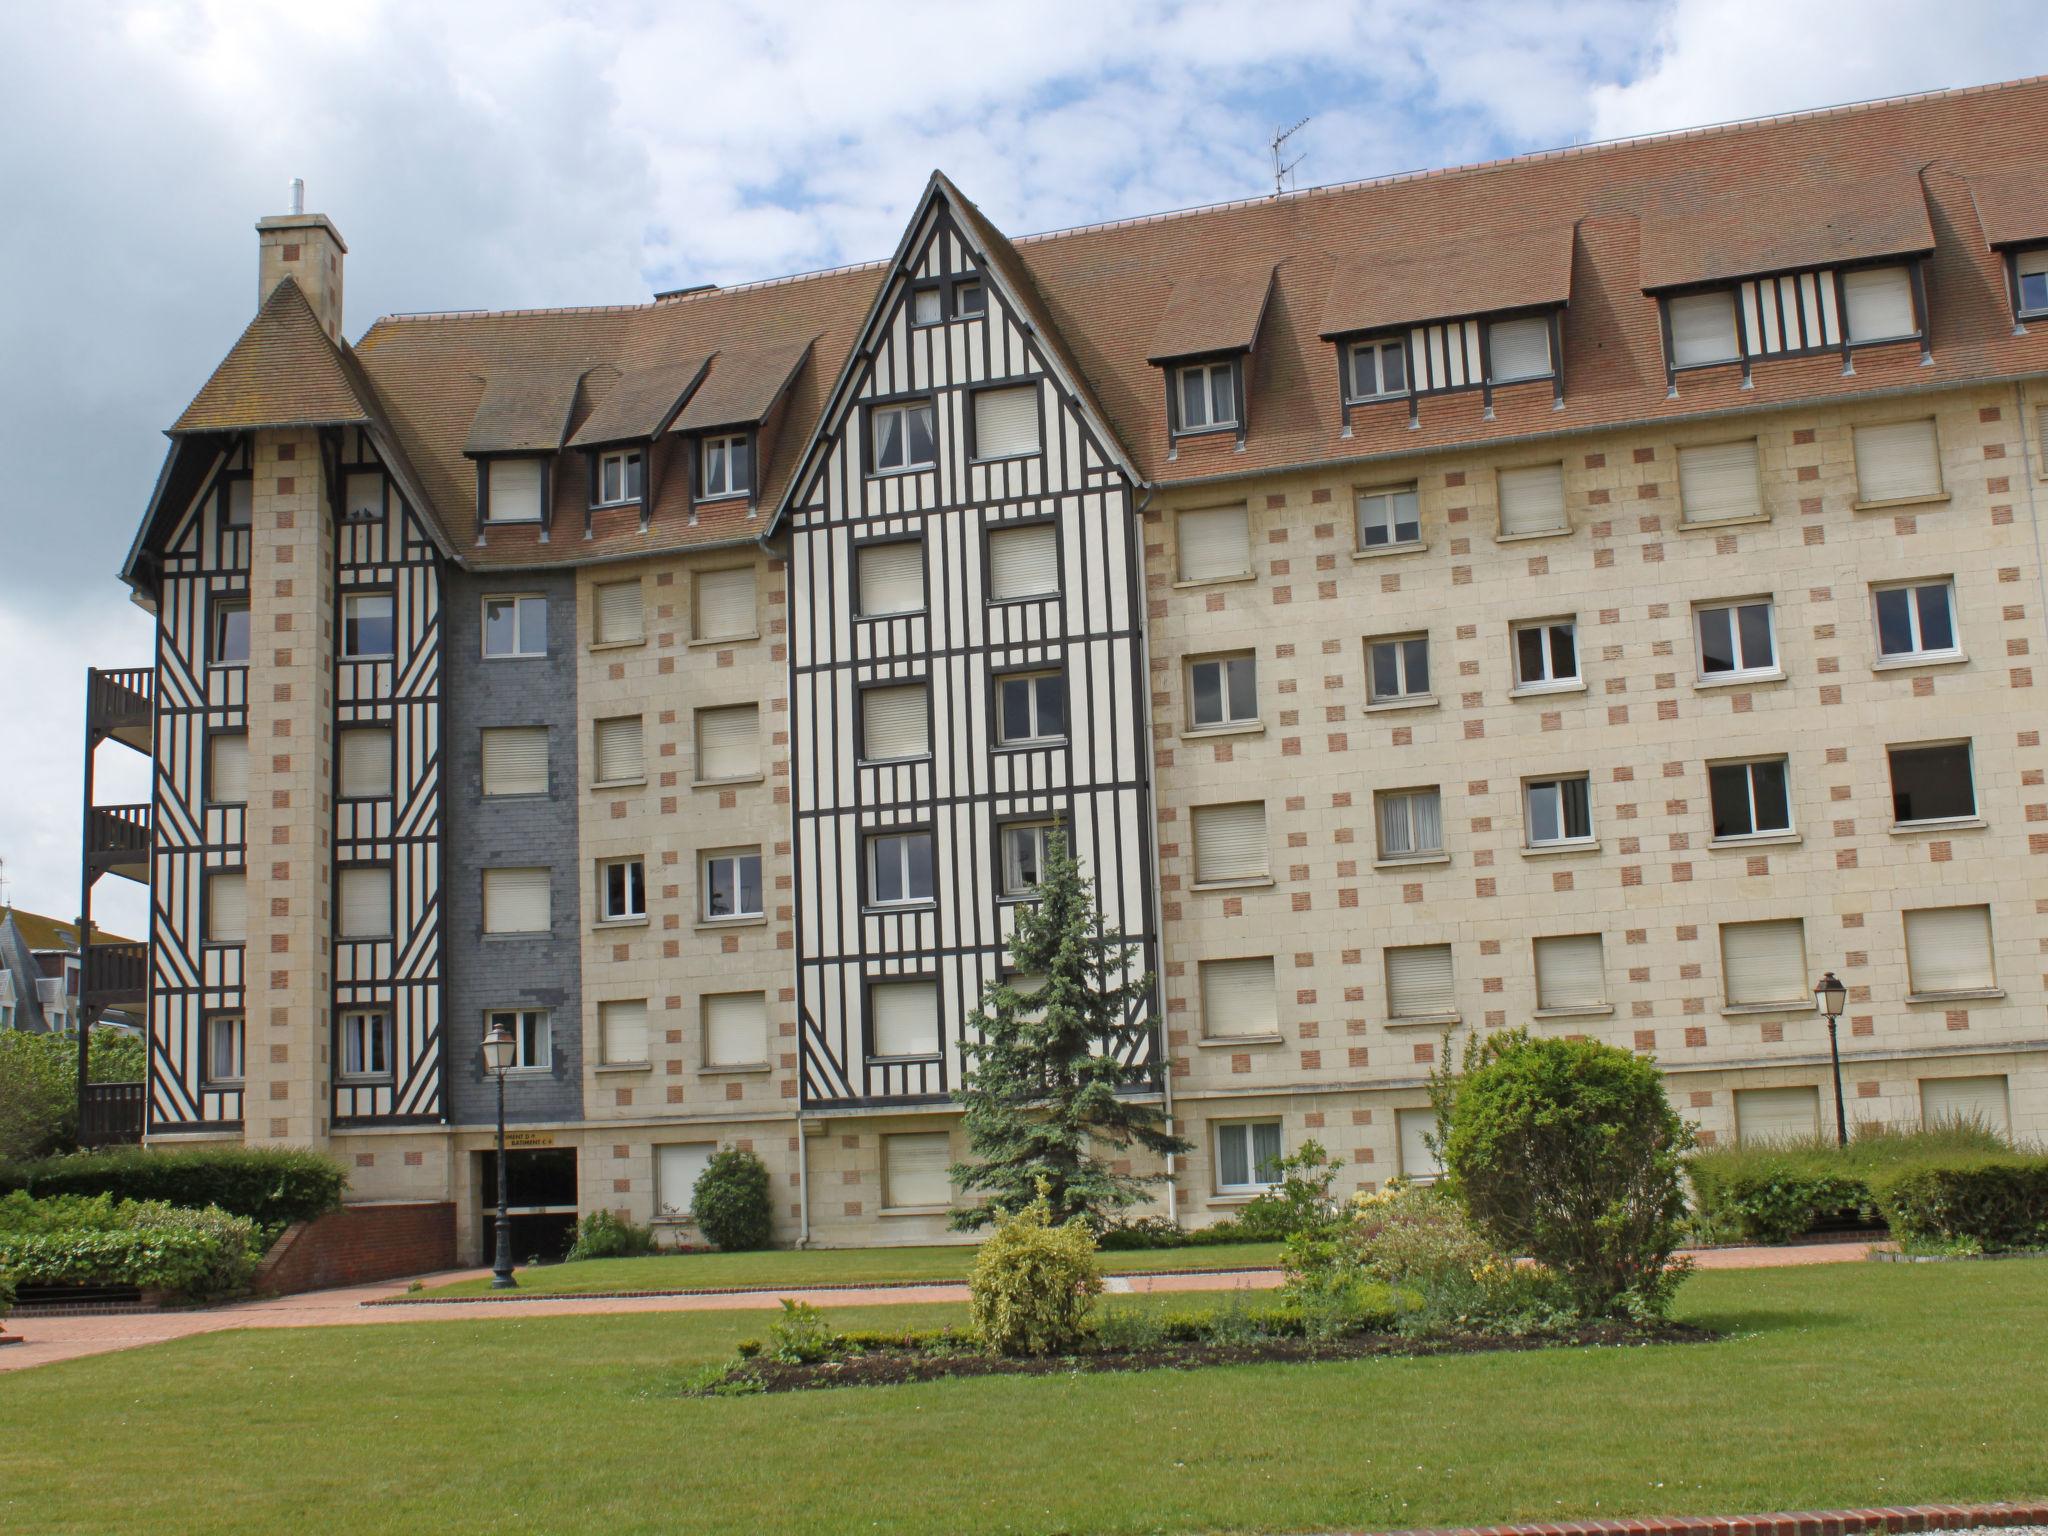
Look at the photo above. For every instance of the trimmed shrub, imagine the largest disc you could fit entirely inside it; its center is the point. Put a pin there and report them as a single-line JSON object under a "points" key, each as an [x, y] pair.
{"points": [[731, 1201], [1149, 1232], [272, 1186], [1999, 1204], [98, 1241], [605, 1234], [1033, 1283]]}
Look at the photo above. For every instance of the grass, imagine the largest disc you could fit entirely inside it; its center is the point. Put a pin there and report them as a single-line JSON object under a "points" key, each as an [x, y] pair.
{"points": [[825, 1266], [1844, 1385]]}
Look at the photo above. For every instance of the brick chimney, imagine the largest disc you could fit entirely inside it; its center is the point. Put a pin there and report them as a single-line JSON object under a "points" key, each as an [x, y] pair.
{"points": [[307, 248]]}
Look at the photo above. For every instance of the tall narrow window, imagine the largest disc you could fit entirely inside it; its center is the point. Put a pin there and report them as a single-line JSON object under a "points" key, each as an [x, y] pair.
{"points": [[1006, 422], [241, 501], [1379, 368], [1763, 964], [621, 890], [1411, 822], [1897, 461], [1389, 518], [1571, 975], [1397, 670], [1415, 1130], [1560, 811], [622, 1031], [1205, 396], [227, 906], [2030, 272], [729, 743], [618, 477], [1420, 983], [1948, 950], [230, 639], [722, 605], [728, 467], [1247, 1155], [619, 619], [732, 884], [1720, 482], [1750, 799], [621, 757], [227, 768], [365, 902], [1215, 543], [1546, 654], [1230, 842], [365, 1044], [1223, 690], [891, 578], [1532, 500], [1916, 622], [677, 1167], [224, 1049], [1736, 640], [515, 626], [1703, 329], [902, 437], [1031, 707], [895, 722], [1519, 349], [900, 869], [1238, 997], [1932, 783], [1023, 562]]}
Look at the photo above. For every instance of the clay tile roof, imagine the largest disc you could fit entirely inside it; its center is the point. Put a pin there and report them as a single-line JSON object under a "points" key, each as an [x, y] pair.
{"points": [[743, 386], [285, 371], [2012, 206], [640, 405], [1780, 225], [1444, 279], [1213, 312], [524, 411]]}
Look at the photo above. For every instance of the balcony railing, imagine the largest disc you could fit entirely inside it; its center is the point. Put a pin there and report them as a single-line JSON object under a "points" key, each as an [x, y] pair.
{"points": [[121, 704], [117, 841], [111, 1113], [116, 975]]}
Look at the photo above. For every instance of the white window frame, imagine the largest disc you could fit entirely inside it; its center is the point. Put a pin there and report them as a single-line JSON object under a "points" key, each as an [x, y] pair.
{"points": [[530, 1027], [872, 857], [864, 551], [726, 484], [1904, 279], [734, 861], [1224, 663], [965, 286], [1749, 765], [1551, 681], [1727, 298], [350, 603], [1220, 1129], [1384, 800], [877, 414], [239, 1023], [1036, 734], [631, 464], [1554, 786], [1210, 373], [520, 642], [634, 894], [1920, 651], [1377, 349], [1743, 668], [355, 1041], [1385, 501], [1403, 669], [540, 501], [1015, 887]]}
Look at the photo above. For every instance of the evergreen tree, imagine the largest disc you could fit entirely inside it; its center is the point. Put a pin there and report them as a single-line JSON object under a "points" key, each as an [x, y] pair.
{"points": [[1042, 1092]]}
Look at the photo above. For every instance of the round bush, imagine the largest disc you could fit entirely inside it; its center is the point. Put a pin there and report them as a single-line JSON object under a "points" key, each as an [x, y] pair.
{"points": [[1033, 1283], [731, 1201]]}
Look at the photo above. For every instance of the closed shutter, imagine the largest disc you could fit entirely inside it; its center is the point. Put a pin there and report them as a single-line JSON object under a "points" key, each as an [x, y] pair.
{"points": [[365, 764], [728, 745], [227, 907], [1532, 499], [620, 755], [677, 1168], [516, 901], [725, 604], [1005, 422], [1777, 1114], [516, 760], [1980, 1101], [1570, 972], [1519, 349], [1719, 482], [895, 722], [515, 491], [914, 1170], [1214, 543], [227, 769], [1418, 1162], [906, 1017], [1880, 303], [1703, 329], [736, 1029], [1948, 949], [1023, 562], [1419, 982], [1237, 997], [618, 613], [365, 903], [892, 578], [1230, 841], [1897, 460], [1764, 962], [623, 1028]]}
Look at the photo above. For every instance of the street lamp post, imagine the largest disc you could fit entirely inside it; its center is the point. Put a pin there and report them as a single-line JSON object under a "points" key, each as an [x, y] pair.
{"points": [[498, 1052], [1831, 994]]}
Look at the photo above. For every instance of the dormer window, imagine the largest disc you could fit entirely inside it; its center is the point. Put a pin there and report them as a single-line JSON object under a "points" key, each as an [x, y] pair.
{"points": [[619, 477], [1518, 349], [2030, 280], [1880, 304], [1205, 396], [1378, 368], [902, 437], [514, 491], [1703, 329], [728, 466]]}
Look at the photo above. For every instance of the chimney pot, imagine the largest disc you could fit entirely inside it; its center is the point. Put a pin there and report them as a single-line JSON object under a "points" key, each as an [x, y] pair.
{"points": [[298, 195]]}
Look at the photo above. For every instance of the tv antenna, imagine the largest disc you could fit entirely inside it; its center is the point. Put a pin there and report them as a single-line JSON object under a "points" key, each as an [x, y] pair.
{"points": [[1283, 169]]}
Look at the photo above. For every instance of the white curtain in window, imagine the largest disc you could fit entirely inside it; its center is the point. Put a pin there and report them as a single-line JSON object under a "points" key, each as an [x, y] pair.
{"points": [[892, 578], [620, 753], [906, 1017], [1532, 499], [1984, 1100], [1764, 962], [515, 490], [677, 1167], [1005, 422], [1897, 459], [1238, 997], [365, 762], [914, 1170], [1230, 841], [515, 760], [1419, 981], [1416, 1127], [227, 907], [619, 615], [725, 604], [1880, 303], [736, 1029], [728, 742], [1703, 329], [1411, 822], [1214, 543], [1776, 1114], [365, 903], [622, 1026], [1948, 949], [227, 769], [1719, 481], [1022, 562], [1570, 972], [895, 722], [516, 901], [1519, 349]]}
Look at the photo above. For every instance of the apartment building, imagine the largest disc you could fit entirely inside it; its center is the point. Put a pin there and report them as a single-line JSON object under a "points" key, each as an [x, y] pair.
{"points": [[1594, 591]]}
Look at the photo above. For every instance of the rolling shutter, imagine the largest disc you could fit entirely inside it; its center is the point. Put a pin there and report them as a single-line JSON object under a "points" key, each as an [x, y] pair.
{"points": [[515, 491], [1532, 499], [365, 903], [728, 743], [736, 1029], [1417, 1161], [1419, 982], [227, 907], [1764, 962], [1719, 482], [618, 613], [1238, 998], [1777, 1114], [1897, 460], [1948, 949], [620, 755], [1703, 329], [1519, 349], [516, 901], [365, 763], [895, 722], [1880, 303], [1214, 544], [1022, 562], [906, 1017], [676, 1170], [1005, 422], [1570, 972], [892, 577], [1982, 1100], [1230, 841], [914, 1170], [227, 769], [623, 1027], [725, 604], [516, 760]]}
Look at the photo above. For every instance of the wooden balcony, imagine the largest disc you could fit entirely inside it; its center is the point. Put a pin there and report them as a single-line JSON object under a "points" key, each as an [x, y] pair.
{"points": [[116, 976], [110, 1114], [117, 841], [120, 705]]}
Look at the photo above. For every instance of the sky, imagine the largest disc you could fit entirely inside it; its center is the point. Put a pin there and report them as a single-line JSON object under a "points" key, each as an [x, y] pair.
{"points": [[504, 154]]}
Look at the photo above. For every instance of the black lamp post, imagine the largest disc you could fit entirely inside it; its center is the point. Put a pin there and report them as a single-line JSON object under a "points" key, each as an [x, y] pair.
{"points": [[499, 1048], [1831, 994]]}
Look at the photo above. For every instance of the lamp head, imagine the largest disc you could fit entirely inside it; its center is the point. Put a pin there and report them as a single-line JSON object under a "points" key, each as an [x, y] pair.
{"points": [[499, 1048], [1831, 994]]}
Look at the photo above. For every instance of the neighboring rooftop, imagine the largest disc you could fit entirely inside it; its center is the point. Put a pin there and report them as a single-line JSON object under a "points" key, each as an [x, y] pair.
{"points": [[54, 933]]}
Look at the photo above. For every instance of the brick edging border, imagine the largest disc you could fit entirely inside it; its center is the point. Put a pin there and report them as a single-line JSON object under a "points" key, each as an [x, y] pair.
{"points": [[1813, 1522]]}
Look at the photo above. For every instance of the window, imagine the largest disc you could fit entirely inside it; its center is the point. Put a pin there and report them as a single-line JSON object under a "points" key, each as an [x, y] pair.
{"points": [[901, 437], [728, 466], [365, 902], [1764, 964], [915, 1172], [366, 1043], [899, 868], [1736, 640], [1247, 1155], [517, 901], [227, 768], [619, 618], [891, 577], [513, 490], [365, 754], [230, 635], [1378, 368], [729, 743], [677, 1167], [618, 477], [1571, 973], [1719, 482], [1948, 950], [895, 722], [1750, 799], [722, 606], [1898, 461], [515, 626], [1006, 422], [1531, 500], [2030, 272], [224, 1048], [1419, 982], [1416, 1130], [1917, 621], [1411, 823], [363, 496], [515, 760], [1880, 301], [903, 1018], [1983, 1102], [1397, 670], [1230, 842], [1777, 1114], [241, 501], [1560, 811], [969, 299], [1033, 707], [1024, 855], [621, 890], [1022, 562], [621, 758], [533, 1036], [1238, 997], [1215, 544], [227, 906], [732, 884], [622, 1031], [927, 306], [1223, 690], [1932, 783], [1205, 396], [735, 1029], [1519, 349], [1703, 329], [1389, 518], [1546, 654]]}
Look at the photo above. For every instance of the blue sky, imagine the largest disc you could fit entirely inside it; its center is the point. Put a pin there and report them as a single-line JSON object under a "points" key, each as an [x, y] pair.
{"points": [[496, 153]]}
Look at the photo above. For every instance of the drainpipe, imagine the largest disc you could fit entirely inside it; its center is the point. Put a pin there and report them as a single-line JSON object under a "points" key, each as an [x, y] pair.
{"points": [[803, 1181], [1158, 901]]}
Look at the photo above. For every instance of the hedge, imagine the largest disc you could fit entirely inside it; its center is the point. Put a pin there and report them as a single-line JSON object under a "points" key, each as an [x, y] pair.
{"points": [[2000, 1203], [272, 1186], [97, 1241]]}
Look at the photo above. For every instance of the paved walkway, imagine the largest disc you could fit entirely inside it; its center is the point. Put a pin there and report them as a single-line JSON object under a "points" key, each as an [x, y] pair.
{"points": [[49, 1339]]}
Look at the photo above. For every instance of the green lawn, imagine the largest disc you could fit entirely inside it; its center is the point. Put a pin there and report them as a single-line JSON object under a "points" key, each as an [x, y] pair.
{"points": [[827, 1266], [1848, 1385]]}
